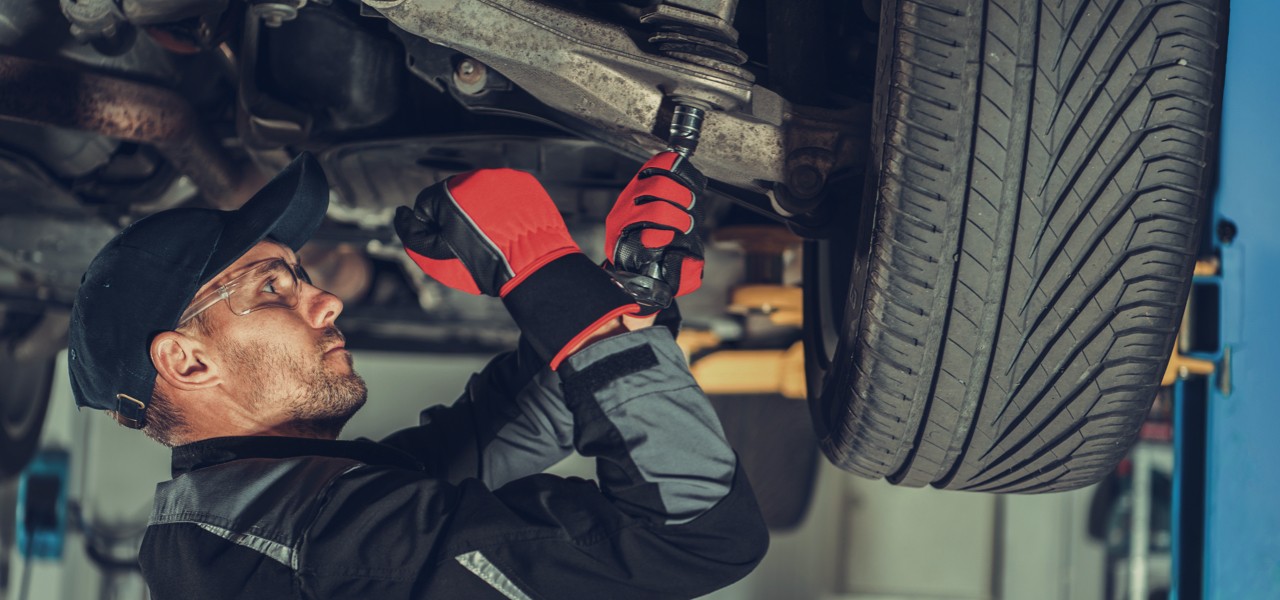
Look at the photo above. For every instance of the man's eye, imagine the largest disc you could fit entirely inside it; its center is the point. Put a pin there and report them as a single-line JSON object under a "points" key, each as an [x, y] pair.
{"points": [[269, 287]]}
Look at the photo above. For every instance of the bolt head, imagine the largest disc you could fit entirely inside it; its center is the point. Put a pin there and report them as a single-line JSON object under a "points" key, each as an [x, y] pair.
{"points": [[1227, 231], [470, 76], [805, 181], [274, 14]]}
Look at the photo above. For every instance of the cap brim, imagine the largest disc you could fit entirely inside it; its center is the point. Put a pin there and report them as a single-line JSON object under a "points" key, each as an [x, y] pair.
{"points": [[288, 209]]}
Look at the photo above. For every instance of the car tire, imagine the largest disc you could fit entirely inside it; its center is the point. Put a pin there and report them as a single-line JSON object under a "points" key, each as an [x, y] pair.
{"points": [[1036, 186], [24, 400], [778, 451], [28, 357]]}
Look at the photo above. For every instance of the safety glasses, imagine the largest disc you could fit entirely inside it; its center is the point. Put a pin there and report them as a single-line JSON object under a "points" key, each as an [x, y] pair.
{"points": [[272, 284]]}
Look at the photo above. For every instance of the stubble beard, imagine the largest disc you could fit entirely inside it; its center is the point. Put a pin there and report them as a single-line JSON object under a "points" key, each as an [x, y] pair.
{"points": [[319, 400]]}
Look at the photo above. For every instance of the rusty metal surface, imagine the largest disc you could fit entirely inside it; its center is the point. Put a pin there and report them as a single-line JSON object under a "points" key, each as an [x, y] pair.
{"points": [[667, 14], [722, 9], [46, 94], [595, 70]]}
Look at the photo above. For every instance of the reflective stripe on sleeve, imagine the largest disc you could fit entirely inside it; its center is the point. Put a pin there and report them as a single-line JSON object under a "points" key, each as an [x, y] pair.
{"points": [[476, 562]]}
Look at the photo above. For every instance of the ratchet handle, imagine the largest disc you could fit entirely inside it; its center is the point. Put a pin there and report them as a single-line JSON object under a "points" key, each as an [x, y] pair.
{"points": [[651, 293]]}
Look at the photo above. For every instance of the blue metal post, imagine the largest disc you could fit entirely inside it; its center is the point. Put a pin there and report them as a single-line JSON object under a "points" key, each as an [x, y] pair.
{"points": [[1242, 491]]}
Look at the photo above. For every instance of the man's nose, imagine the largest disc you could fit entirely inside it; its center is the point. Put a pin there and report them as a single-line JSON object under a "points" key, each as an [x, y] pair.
{"points": [[324, 307]]}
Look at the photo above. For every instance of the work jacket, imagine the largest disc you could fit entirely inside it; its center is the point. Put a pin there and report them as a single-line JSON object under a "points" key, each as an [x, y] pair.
{"points": [[457, 508]]}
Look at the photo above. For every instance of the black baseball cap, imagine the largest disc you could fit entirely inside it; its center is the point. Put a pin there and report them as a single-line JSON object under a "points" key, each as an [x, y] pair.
{"points": [[140, 283]]}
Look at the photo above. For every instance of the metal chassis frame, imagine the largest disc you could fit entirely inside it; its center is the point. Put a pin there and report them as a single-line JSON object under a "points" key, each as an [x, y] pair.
{"points": [[599, 73]]}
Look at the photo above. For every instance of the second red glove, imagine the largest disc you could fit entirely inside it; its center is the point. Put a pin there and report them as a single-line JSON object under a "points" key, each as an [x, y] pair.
{"points": [[651, 241]]}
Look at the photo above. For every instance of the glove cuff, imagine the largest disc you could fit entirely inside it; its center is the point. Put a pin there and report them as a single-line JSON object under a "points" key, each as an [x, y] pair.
{"points": [[564, 301]]}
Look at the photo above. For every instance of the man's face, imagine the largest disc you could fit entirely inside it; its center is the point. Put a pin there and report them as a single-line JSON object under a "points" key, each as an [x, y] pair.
{"points": [[288, 367]]}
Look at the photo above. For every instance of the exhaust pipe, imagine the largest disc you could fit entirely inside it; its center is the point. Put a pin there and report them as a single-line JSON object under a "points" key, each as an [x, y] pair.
{"points": [[41, 93]]}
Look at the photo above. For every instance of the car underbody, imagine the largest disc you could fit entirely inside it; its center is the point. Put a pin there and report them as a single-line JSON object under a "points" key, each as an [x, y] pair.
{"points": [[978, 216]]}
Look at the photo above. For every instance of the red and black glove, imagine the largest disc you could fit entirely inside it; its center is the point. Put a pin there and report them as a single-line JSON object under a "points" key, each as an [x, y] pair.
{"points": [[496, 232], [651, 242]]}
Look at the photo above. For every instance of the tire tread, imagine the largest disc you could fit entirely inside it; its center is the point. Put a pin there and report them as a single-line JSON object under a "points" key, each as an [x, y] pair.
{"points": [[1042, 165]]}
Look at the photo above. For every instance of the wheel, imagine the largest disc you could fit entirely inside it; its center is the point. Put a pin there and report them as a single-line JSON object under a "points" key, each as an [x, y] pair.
{"points": [[28, 353], [24, 400], [1036, 187], [778, 451]]}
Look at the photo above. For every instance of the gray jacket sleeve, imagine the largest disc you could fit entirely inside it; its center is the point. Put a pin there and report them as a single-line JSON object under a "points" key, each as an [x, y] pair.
{"points": [[659, 448], [510, 422]]}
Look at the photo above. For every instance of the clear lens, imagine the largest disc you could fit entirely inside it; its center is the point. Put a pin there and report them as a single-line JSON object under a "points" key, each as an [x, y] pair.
{"points": [[273, 284]]}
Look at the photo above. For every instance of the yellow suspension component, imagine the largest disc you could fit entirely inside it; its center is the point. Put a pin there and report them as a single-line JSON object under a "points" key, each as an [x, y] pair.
{"points": [[750, 372]]}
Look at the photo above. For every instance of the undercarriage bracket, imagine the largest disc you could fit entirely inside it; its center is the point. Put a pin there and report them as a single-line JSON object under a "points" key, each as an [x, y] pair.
{"points": [[623, 89]]}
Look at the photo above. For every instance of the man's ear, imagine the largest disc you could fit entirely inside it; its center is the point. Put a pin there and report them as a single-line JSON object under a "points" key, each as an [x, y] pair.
{"points": [[183, 361]]}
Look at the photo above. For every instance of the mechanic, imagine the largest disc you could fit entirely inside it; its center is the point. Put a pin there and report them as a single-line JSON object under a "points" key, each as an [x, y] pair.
{"points": [[200, 328]]}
